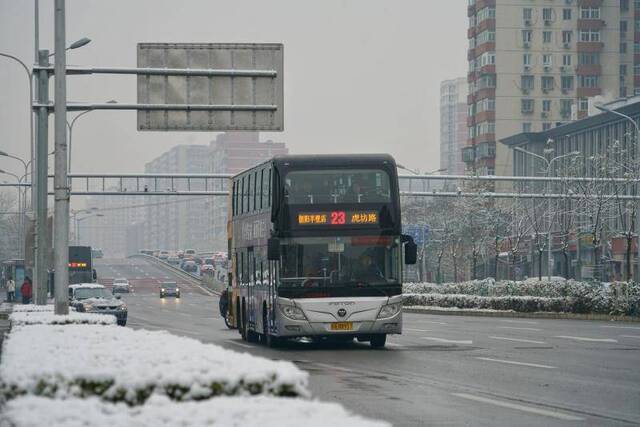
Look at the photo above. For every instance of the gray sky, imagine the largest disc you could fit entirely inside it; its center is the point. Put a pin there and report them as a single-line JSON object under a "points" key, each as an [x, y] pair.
{"points": [[360, 75]]}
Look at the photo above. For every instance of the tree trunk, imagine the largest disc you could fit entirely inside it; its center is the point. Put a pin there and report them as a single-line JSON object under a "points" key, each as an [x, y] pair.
{"points": [[539, 265], [475, 264], [438, 277], [455, 269], [596, 261], [566, 263], [629, 248]]}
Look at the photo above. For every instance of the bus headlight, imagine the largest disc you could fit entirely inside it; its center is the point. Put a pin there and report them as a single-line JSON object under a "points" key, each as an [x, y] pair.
{"points": [[87, 307], [292, 312], [389, 310]]}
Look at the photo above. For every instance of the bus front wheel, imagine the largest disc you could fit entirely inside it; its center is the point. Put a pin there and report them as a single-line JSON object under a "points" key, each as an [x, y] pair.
{"points": [[378, 341]]}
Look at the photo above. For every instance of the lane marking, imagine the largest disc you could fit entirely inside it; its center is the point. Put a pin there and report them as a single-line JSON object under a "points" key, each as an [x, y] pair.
{"points": [[568, 337], [445, 341], [526, 322], [519, 329], [622, 327], [417, 330], [517, 340], [239, 344], [511, 362], [518, 407], [630, 336], [433, 321]]}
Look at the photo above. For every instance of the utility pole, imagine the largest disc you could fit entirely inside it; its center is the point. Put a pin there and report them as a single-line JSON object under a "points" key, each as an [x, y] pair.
{"points": [[40, 275], [60, 182]]}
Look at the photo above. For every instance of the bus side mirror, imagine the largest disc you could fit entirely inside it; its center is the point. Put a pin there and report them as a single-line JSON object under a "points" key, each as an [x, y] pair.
{"points": [[410, 252], [273, 249], [94, 274]]}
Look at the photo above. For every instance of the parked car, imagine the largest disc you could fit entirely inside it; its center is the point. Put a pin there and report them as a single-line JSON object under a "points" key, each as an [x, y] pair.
{"points": [[173, 260], [190, 253], [180, 253], [169, 289], [95, 298], [121, 285], [163, 255], [207, 269]]}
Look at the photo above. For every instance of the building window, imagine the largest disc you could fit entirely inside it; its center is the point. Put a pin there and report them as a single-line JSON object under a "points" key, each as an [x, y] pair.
{"points": [[527, 105], [485, 13], [547, 83], [589, 59], [623, 47], [636, 47], [566, 14], [623, 26], [526, 36], [590, 35], [526, 82], [546, 60], [527, 14], [546, 126], [566, 37], [590, 12], [526, 59], [546, 13], [566, 82], [565, 108], [588, 81], [566, 60], [623, 69], [623, 91], [486, 36], [583, 104], [624, 5], [526, 127], [546, 105], [546, 36]]}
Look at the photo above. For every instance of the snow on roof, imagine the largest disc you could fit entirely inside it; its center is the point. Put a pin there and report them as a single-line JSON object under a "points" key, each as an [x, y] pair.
{"points": [[264, 411], [133, 363], [48, 318], [86, 285]]}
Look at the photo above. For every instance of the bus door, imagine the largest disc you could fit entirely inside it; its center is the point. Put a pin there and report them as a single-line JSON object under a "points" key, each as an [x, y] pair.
{"points": [[251, 291], [273, 295]]}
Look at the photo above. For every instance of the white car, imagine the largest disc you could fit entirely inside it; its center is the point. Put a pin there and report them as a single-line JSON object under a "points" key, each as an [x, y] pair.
{"points": [[121, 285], [94, 298]]}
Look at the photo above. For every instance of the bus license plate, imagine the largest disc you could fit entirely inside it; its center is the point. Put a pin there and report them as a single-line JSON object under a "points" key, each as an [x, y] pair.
{"points": [[342, 326]]}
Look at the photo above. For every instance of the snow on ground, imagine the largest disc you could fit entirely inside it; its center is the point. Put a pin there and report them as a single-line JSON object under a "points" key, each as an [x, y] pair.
{"points": [[122, 364], [32, 307], [48, 318], [262, 411]]}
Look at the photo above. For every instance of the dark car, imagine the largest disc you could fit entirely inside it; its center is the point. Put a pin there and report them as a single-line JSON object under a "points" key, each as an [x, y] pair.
{"points": [[169, 289], [190, 266]]}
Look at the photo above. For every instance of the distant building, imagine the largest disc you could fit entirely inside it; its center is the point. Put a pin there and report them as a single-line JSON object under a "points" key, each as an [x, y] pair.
{"points": [[178, 222], [453, 125], [535, 65], [232, 153]]}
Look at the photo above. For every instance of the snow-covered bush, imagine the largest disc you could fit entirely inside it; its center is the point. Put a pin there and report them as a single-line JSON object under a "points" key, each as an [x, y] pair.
{"points": [[264, 411], [530, 295], [32, 307], [126, 365], [48, 318]]}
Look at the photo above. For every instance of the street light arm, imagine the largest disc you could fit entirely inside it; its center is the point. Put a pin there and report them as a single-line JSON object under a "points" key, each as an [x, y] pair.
{"points": [[6, 55], [522, 150], [617, 113]]}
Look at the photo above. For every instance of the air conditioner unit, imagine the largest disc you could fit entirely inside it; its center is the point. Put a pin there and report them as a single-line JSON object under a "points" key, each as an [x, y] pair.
{"points": [[564, 69], [566, 45], [527, 68], [544, 114], [526, 45], [547, 23], [527, 22], [547, 68], [525, 91]]}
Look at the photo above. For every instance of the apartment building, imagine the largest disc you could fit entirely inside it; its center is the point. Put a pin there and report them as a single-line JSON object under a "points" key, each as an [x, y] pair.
{"points": [[536, 64], [232, 153], [453, 125]]}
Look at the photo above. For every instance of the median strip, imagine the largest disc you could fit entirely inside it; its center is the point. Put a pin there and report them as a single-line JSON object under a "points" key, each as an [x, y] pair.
{"points": [[519, 407]]}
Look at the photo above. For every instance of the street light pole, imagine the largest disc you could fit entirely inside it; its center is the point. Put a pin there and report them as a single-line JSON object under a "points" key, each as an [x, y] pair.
{"points": [[547, 172], [70, 127], [637, 169]]}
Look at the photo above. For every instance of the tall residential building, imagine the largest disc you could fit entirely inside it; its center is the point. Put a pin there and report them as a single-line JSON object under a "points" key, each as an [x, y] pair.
{"points": [[535, 64], [178, 222], [453, 125], [232, 153]]}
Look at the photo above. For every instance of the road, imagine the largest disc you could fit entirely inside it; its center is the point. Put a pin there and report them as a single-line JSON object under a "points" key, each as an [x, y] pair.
{"points": [[443, 370]]}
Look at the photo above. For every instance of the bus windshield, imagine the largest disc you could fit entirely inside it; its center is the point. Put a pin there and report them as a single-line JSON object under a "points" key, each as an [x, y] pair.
{"points": [[337, 186], [318, 262]]}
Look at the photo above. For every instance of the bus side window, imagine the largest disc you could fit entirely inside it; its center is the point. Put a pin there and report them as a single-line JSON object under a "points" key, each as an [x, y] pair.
{"points": [[255, 190], [269, 191], [261, 188], [242, 195], [248, 193], [233, 199]]}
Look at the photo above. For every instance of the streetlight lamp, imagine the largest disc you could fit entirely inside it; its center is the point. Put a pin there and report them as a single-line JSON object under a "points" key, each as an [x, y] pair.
{"points": [[635, 125], [76, 44], [70, 127], [548, 170]]}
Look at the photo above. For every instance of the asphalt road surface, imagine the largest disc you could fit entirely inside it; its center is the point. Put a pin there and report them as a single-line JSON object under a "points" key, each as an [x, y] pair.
{"points": [[443, 370]]}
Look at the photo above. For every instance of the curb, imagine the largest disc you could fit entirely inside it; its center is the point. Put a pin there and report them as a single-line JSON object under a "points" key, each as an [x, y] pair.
{"points": [[536, 315]]}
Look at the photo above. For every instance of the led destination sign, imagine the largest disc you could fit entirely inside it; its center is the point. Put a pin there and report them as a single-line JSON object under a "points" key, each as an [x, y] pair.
{"points": [[338, 218]]}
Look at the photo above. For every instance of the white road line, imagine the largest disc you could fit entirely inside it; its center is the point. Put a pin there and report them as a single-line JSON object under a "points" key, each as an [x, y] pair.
{"points": [[433, 321], [587, 339], [517, 340], [335, 368], [622, 327], [518, 407], [630, 336], [417, 330], [511, 362], [239, 344], [526, 322], [445, 341], [519, 329], [395, 345]]}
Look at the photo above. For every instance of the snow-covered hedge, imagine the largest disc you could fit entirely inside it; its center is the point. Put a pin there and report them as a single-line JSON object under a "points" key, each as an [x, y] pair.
{"points": [[530, 295], [32, 308], [126, 365], [31, 411], [48, 318]]}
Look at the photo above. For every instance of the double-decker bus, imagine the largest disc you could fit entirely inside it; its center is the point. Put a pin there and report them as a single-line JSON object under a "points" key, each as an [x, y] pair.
{"points": [[316, 249]]}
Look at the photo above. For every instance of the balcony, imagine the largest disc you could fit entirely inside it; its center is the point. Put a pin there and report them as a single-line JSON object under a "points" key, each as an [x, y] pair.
{"points": [[471, 54], [471, 32], [586, 92], [590, 24], [589, 47], [488, 92], [487, 24], [481, 4], [486, 150], [485, 47], [485, 116], [590, 69], [590, 3]]}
